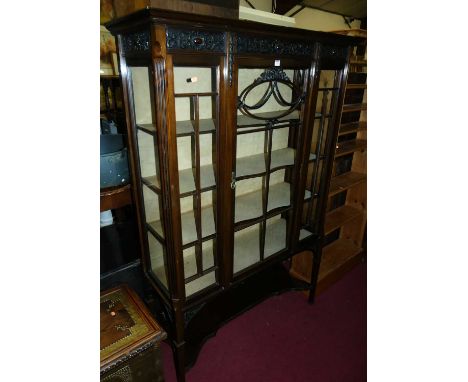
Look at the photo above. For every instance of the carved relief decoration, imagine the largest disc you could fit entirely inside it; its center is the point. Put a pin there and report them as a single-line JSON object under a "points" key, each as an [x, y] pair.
{"points": [[265, 45], [197, 40], [136, 43]]}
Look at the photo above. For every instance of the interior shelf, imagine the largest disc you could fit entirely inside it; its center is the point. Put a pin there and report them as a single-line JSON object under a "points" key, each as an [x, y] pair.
{"points": [[337, 254], [344, 181], [249, 206], [246, 120], [149, 128], [354, 107], [189, 232], [339, 216], [152, 182], [183, 128], [347, 147], [353, 127], [251, 165], [247, 244], [255, 164], [187, 180]]}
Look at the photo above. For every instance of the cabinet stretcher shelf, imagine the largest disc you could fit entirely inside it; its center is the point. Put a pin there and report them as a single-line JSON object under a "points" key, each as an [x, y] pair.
{"points": [[347, 147], [339, 216], [343, 182]]}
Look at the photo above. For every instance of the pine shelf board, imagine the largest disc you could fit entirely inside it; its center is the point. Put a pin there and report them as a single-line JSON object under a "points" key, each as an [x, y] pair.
{"points": [[356, 86], [340, 216], [347, 147], [353, 127], [335, 255], [344, 181], [354, 107]]}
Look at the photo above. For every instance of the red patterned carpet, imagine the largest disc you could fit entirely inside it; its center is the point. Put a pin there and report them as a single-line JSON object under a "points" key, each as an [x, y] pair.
{"points": [[286, 339]]}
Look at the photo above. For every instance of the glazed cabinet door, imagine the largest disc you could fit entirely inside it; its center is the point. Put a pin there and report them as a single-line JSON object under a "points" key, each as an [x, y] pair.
{"points": [[321, 139], [270, 120], [196, 80]]}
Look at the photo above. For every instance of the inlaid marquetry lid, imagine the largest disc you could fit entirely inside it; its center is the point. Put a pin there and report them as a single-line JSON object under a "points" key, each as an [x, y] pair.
{"points": [[127, 327]]}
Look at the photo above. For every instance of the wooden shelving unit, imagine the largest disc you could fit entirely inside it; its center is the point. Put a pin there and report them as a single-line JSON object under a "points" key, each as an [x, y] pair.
{"points": [[345, 219]]}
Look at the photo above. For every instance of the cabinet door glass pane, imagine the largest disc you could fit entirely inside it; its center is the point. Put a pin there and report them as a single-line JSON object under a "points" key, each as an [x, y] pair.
{"points": [[196, 101], [268, 120], [147, 148], [326, 113]]}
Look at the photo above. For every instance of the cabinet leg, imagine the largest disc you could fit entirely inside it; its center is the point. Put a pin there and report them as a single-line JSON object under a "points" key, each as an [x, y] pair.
{"points": [[179, 361], [316, 260]]}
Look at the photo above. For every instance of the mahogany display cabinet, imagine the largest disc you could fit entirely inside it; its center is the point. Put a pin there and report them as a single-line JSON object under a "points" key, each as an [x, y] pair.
{"points": [[232, 127]]}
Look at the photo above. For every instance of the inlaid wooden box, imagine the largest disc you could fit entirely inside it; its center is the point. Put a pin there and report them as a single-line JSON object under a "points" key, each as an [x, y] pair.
{"points": [[130, 339]]}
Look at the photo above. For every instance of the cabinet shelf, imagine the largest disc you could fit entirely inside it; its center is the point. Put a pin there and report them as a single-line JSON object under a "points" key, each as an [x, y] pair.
{"points": [[187, 180], [344, 181], [152, 182], [347, 147], [183, 128], [353, 127], [245, 121], [246, 248], [186, 128], [189, 232], [254, 165], [354, 107], [339, 216], [337, 254], [249, 206]]}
